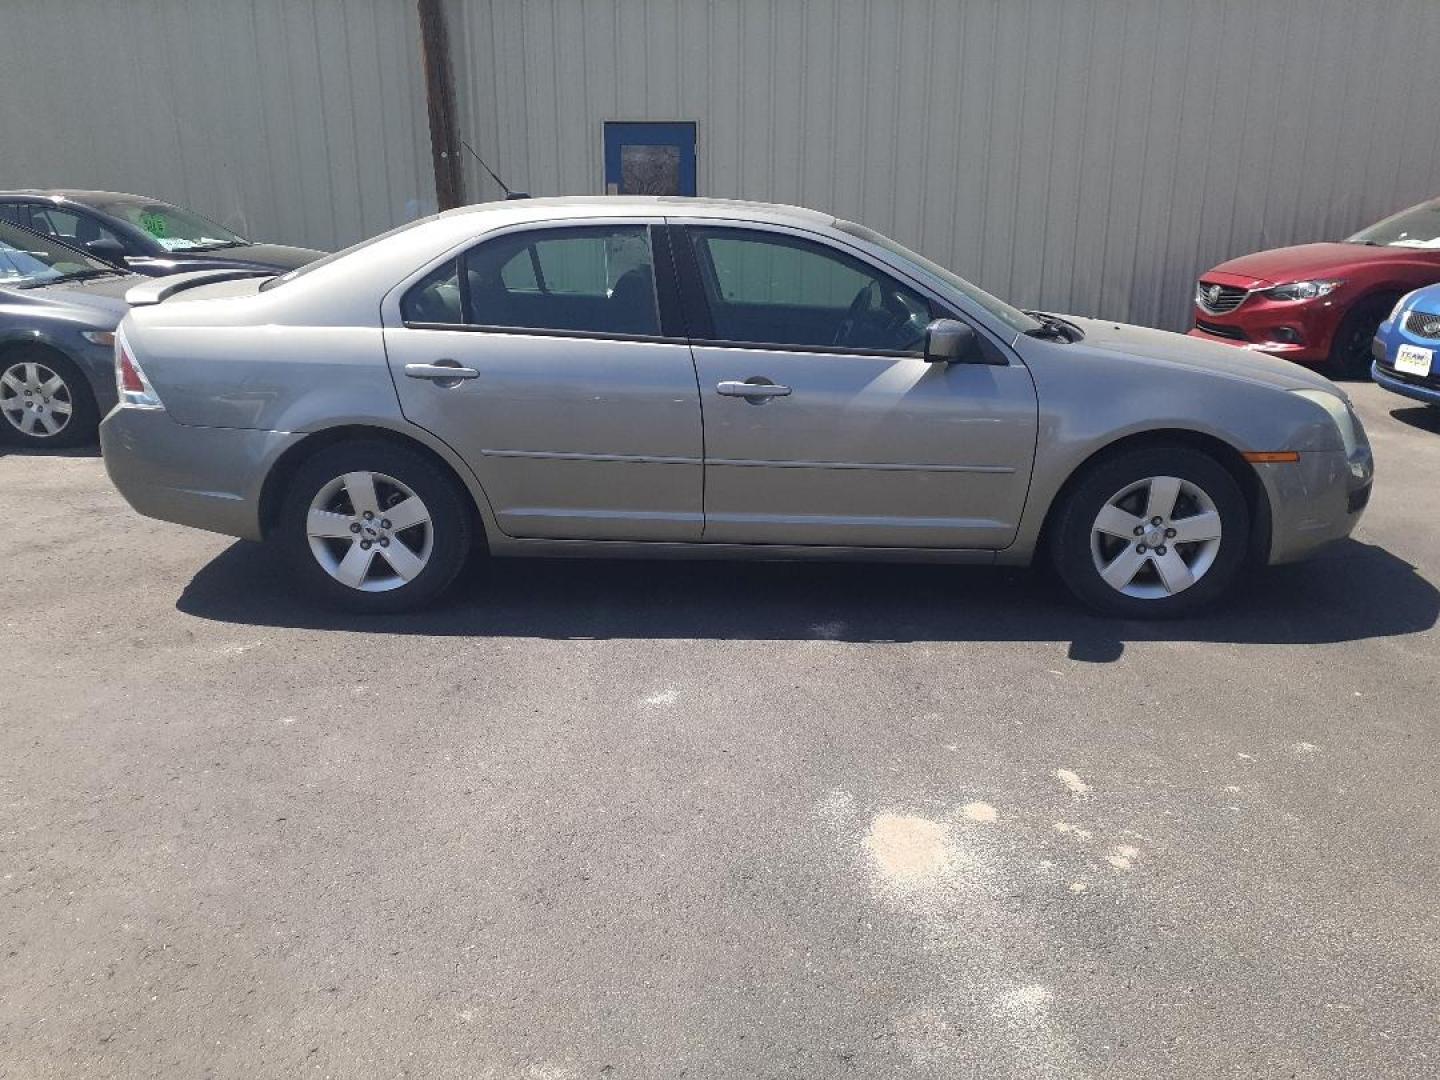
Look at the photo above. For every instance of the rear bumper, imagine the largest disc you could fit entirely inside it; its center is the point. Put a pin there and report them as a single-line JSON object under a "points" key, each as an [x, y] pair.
{"points": [[207, 478], [1316, 501]]}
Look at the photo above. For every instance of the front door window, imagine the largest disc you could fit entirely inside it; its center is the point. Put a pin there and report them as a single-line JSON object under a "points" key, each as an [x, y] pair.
{"points": [[770, 289]]}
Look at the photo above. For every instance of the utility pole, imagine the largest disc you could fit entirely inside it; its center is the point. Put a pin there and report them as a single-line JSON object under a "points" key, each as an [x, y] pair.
{"points": [[440, 103]]}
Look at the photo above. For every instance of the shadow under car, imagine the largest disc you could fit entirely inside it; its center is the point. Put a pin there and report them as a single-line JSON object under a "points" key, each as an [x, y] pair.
{"points": [[1351, 592]]}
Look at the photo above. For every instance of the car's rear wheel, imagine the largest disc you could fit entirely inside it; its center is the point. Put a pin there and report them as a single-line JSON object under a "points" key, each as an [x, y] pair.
{"points": [[1156, 532], [1350, 350], [374, 527], [45, 400]]}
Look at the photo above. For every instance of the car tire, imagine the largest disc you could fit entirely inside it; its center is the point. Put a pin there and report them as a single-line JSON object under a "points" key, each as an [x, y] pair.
{"points": [[1350, 355], [45, 401], [1093, 544], [373, 527]]}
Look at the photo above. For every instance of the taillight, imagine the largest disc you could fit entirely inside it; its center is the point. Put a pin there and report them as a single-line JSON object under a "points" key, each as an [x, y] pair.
{"points": [[135, 389], [129, 377]]}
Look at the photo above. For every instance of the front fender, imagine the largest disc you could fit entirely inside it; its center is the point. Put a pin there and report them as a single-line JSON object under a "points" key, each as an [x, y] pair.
{"points": [[1088, 405]]}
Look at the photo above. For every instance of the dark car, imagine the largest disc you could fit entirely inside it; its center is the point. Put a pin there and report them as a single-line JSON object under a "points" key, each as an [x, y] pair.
{"points": [[149, 236], [1319, 304], [58, 311]]}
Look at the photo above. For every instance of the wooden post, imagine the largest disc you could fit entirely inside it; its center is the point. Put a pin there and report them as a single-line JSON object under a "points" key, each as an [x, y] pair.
{"points": [[440, 102]]}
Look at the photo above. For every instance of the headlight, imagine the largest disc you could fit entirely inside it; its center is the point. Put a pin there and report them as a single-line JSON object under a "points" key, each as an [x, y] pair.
{"points": [[1339, 412], [98, 337], [1302, 290]]}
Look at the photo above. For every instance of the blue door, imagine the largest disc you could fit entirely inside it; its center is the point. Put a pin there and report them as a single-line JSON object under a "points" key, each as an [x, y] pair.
{"points": [[650, 158]]}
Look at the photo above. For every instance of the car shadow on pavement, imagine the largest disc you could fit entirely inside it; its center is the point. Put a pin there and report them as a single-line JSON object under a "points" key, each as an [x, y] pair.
{"points": [[1424, 417], [1351, 592], [89, 451]]}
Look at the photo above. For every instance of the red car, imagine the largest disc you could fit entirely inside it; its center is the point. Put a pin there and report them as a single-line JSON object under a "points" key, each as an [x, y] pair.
{"points": [[1321, 304]]}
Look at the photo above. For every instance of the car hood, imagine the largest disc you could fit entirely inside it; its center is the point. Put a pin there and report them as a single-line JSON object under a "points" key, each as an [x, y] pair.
{"points": [[104, 297], [1156, 347], [278, 257], [1303, 262]]}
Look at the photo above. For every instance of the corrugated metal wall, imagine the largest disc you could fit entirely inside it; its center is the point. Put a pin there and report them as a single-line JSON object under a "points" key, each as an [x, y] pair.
{"points": [[300, 121], [1082, 155]]}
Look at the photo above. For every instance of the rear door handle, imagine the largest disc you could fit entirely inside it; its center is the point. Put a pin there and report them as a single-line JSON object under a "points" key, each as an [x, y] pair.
{"points": [[751, 390], [441, 371]]}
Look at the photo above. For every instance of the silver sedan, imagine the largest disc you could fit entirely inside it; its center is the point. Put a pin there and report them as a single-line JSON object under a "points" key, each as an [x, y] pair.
{"points": [[689, 378]]}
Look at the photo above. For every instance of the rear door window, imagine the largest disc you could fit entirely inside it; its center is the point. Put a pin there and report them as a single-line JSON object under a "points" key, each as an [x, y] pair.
{"points": [[588, 280]]}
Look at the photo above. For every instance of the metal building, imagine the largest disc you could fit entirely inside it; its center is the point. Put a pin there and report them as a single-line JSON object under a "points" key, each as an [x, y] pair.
{"points": [[1082, 155]]}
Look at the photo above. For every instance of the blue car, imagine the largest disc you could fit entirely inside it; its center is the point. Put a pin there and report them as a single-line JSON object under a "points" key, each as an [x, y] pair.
{"points": [[1406, 347]]}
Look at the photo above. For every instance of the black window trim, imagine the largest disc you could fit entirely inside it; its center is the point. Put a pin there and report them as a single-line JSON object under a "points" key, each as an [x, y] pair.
{"points": [[536, 331], [667, 297]]}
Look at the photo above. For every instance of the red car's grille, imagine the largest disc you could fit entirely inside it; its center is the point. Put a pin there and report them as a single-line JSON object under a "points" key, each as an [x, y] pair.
{"points": [[1234, 333], [1218, 299], [1423, 324]]}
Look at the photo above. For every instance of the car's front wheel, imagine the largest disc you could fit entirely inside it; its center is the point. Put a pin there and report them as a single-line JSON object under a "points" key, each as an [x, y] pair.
{"points": [[1156, 532], [45, 400], [374, 527]]}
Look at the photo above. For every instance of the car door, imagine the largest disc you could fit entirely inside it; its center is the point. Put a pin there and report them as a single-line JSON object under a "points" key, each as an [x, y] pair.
{"points": [[823, 422], [543, 356]]}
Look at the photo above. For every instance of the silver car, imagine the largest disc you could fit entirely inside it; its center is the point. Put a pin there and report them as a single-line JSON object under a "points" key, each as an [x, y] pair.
{"points": [[679, 377]]}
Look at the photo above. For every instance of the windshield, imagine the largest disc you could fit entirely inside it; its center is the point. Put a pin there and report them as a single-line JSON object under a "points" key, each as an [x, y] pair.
{"points": [[1011, 316], [173, 228], [1418, 227], [27, 258]]}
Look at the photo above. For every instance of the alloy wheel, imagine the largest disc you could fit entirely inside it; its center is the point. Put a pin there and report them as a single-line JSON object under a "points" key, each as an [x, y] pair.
{"points": [[369, 531], [1156, 537], [35, 399]]}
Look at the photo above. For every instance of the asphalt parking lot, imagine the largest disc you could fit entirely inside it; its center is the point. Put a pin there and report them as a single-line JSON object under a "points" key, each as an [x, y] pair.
{"points": [[662, 820]]}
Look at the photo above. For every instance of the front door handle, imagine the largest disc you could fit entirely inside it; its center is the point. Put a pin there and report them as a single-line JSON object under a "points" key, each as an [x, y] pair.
{"points": [[447, 371], [756, 389]]}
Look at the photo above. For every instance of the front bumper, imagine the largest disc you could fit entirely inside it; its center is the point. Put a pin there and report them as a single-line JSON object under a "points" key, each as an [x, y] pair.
{"points": [[1298, 330], [98, 364], [1301, 353], [205, 477], [1316, 500], [1414, 391]]}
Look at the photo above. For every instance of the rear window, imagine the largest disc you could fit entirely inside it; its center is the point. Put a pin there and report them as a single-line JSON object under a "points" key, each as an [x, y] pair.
{"points": [[335, 256]]}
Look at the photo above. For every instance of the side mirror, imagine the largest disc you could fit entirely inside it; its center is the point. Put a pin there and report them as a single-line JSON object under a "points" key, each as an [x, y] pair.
{"points": [[111, 251], [949, 341]]}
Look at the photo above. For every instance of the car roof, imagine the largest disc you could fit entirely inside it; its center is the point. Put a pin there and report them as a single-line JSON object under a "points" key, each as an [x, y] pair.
{"points": [[83, 196], [567, 206]]}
